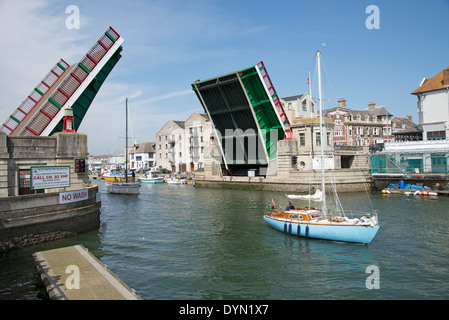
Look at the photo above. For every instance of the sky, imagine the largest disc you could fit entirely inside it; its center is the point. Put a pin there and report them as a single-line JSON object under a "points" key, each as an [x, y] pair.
{"points": [[169, 44]]}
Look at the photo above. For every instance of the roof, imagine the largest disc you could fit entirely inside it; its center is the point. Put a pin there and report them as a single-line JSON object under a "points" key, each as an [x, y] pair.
{"points": [[400, 121], [292, 98], [378, 111], [440, 81], [144, 147], [180, 124], [416, 147], [202, 116], [381, 111]]}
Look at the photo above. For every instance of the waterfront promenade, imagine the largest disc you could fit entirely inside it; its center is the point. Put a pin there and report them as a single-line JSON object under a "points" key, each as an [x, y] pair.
{"points": [[73, 273]]}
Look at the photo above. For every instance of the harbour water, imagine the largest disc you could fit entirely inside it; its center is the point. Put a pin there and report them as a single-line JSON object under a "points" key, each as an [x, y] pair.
{"points": [[180, 242]]}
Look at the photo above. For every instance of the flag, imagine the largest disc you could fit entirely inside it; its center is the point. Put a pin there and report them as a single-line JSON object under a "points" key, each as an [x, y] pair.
{"points": [[308, 79], [272, 204]]}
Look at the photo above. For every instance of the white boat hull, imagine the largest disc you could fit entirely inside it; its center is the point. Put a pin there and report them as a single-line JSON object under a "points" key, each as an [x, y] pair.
{"points": [[124, 188], [175, 181], [335, 232]]}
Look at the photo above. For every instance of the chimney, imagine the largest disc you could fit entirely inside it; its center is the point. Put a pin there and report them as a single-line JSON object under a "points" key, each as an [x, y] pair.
{"points": [[446, 77], [371, 107], [409, 118], [342, 103]]}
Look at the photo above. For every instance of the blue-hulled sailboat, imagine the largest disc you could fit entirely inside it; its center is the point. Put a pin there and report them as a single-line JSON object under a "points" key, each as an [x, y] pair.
{"points": [[322, 223]]}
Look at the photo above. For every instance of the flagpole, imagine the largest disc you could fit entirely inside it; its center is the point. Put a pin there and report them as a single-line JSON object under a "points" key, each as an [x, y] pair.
{"points": [[310, 94]]}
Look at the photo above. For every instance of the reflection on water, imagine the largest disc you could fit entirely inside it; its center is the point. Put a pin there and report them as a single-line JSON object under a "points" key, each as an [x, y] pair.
{"points": [[181, 242]]}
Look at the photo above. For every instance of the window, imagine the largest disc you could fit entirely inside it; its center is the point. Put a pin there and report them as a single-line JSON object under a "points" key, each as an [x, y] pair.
{"points": [[304, 106], [338, 122], [338, 133], [302, 139], [318, 138], [328, 137], [436, 135]]}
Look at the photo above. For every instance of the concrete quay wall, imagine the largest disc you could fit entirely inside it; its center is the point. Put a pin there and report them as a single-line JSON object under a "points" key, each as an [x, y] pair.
{"points": [[31, 219], [22, 153], [345, 180], [29, 216]]}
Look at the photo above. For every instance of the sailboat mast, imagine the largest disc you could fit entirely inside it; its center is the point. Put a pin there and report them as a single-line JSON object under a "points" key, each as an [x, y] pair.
{"points": [[322, 136], [126, 143]]}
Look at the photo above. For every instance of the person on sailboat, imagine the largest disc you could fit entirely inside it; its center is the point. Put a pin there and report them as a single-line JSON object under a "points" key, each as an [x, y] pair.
{"points": [[290, 206]]}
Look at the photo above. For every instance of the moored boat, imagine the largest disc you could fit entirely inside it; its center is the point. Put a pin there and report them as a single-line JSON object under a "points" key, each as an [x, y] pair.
{"points": [[174, 180], [153, 177], [124, 187], [114, 175]]}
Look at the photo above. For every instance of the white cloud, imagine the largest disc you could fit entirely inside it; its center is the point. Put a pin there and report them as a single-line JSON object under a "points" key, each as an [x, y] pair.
{"points": [[33, 42], [164, 96]]}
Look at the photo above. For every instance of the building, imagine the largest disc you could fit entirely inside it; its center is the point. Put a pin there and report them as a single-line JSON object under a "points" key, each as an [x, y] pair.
{"points": [[198, 133], [404, 129], [97, 162], [180, 144], [433, 106], [401, 159], [142, 156], [299, 106], [169, 146], [366, 127], [307, 133]]}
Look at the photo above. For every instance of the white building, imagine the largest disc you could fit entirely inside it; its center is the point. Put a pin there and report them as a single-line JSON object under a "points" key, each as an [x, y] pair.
{"points": [[116, 159], [433, 106], [180, 144], [299, 106], [142, 156], [170, 142], [198, 133]]}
